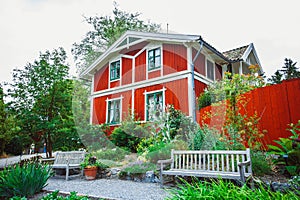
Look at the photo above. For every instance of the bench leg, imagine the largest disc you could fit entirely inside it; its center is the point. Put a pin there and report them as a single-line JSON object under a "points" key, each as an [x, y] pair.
{"points": [[161, 179], [67, 173]]}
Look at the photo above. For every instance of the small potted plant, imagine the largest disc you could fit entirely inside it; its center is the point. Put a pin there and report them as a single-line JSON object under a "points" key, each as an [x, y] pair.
{"points": [[90, 167]]}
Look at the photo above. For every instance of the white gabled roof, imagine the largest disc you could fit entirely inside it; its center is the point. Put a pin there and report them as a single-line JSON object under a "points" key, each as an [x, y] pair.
{"points": [[137, 37]]}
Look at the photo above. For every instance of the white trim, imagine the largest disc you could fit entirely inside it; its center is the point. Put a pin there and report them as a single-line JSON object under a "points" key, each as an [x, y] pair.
{"points": [[203, 79], [190, 81], [214, 67], [151, 47], [114, 99], [248, 51], [132, 102], [151, 92], [133, 70], [145, 83], [241, 68], [92, 100]]}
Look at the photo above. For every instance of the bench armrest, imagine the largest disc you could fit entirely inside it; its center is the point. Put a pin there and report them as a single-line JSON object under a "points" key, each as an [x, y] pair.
{"points": [[245, 163], [162, 162], [165, 161]]}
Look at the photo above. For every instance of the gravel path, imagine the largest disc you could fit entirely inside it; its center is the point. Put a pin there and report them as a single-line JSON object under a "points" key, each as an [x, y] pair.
{"points": [[109, 188]]}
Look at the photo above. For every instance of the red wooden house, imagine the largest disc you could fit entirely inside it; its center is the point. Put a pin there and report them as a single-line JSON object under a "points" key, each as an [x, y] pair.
{"points": [[143, 72]]}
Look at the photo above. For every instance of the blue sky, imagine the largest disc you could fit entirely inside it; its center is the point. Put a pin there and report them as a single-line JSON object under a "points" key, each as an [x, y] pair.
{"points": [[28, 27]]}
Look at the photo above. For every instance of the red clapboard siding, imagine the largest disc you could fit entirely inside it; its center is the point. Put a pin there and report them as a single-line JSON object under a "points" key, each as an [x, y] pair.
{"points": [[174, 58], [101, 79], [276, 105], [126, 71], [99, 110], [126, 103], [199, 63], [140, 67], [199, 88], [154, 74], [114, 84]]}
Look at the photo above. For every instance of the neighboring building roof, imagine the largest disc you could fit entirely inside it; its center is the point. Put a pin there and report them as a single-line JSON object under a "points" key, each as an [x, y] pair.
{"points": [[236, 54]]}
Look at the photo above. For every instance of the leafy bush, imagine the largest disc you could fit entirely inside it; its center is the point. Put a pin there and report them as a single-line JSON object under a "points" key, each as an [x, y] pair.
{"points": [[116, 154], [261, 163], [288, 150], [225, 190], [72, 196], [161, 151], [139, 167], [129, 134], [24, 181]]}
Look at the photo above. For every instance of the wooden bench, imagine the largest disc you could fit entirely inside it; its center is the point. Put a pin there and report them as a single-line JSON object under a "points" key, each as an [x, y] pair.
{"points": [[208, 164], [68, 160]]}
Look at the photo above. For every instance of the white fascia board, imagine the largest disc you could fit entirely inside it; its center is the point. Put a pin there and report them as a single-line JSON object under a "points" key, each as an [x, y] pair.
{"points": [[248, 51]]}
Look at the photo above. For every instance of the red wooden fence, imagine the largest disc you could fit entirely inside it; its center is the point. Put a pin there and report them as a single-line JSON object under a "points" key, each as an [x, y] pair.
{"points": [[278, 105]]}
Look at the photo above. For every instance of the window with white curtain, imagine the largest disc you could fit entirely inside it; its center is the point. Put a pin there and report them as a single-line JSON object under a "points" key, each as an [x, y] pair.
{"points": [[113, 112], [154, 105]]}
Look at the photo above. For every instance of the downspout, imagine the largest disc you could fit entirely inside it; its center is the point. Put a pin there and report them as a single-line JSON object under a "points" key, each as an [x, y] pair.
{"points": [[193, 79]]}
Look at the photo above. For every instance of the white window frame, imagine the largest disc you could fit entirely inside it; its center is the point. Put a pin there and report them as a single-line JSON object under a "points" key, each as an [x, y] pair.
{"points": [[120, 110], [206, 69], [147, 58], [163, 101], [113, 61]]}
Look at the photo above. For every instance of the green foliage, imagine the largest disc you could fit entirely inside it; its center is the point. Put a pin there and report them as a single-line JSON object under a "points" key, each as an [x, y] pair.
{"points": [[230, 87], [261, 163], [288, 150], [129, 134], [288, 71], [225, 190], [42, 98], [105, 31], [24, 180], [116, 154], [162, 151], [92, 161], [55, 196], [139, 167], [8, 127]]}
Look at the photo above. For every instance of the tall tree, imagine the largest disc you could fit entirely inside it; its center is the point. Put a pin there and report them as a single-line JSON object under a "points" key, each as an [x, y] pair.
{"points": [[106, 30], [288, 71], [7, 123], [42, 94]]}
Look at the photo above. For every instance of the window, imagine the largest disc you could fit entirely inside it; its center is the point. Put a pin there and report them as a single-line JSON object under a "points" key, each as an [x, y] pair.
{"points": [[154, 59], [210, 70], [154, 105], [115, 70], [113, 112]]}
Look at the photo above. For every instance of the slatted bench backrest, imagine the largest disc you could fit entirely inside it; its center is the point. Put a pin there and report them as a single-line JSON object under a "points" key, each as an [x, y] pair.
{"points": [[74, 157], [215, 161]]}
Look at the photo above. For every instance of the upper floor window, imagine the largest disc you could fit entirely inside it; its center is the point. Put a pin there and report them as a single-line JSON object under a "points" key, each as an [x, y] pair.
{"points": [[210, 70], [154, 105], [114, 111], [115, 70], [154, 58]]}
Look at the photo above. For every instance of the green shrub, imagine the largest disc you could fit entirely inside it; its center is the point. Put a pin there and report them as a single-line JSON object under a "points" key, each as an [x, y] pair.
{"points": [[24, 181], [72, 196], [161, 151], [144, 144], [261, 163], [139, 167], [204, 100], [116, 154], [225, 190]]}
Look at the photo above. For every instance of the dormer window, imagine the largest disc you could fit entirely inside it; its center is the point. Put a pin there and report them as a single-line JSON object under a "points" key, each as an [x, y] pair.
{"points": [[115, 70], [154, 59]]}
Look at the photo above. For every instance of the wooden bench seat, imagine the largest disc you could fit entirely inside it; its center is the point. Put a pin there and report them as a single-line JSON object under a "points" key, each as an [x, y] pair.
{"points": [[208, 164], [68, 160]]}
